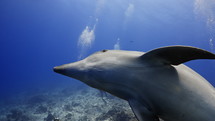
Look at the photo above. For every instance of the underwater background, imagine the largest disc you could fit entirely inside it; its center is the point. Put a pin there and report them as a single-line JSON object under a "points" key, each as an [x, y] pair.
{"points": [[37, 35]]}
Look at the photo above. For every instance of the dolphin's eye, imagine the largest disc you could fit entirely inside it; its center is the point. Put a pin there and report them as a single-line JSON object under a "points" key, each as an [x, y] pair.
{"points": [[104, 50]]}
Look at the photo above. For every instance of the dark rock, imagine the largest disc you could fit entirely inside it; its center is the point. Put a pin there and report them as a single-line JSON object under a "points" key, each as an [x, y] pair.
{"points": [[69, 116], [56, 119], [122, 116], [115, 115], [50, 117]]}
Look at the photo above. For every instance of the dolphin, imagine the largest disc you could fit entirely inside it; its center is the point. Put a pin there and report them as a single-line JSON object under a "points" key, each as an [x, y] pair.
{"points": [[156, 83]]}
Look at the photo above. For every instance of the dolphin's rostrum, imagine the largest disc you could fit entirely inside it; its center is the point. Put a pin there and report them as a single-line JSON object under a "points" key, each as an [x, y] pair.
{"points": [[156, 84]]}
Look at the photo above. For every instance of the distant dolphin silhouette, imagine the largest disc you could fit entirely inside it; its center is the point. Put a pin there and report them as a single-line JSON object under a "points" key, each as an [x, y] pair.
{"points": [[155, 84]]}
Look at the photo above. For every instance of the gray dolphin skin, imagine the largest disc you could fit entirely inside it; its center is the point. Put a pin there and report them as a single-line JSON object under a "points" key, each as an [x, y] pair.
{"points": [[156, 84]]}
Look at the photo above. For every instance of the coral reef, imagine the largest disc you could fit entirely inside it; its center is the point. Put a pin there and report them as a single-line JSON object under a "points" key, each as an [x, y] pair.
{"points": [[68, 104]]}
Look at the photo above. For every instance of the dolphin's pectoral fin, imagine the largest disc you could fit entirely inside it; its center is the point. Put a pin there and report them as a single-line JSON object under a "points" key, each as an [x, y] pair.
{"points": [[141, 112], [176, 55]]}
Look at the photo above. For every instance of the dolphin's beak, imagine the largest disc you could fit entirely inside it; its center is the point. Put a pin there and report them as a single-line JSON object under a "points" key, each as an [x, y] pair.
{"points": [[58, 69], [72, 70]]}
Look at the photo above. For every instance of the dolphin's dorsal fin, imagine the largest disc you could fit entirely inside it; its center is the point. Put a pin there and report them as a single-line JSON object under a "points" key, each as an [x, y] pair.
{"points": [[141, 111], [176, 55]]}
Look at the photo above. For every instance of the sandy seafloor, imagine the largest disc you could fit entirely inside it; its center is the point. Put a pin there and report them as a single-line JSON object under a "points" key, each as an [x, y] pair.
{"points": [[80, 103]]}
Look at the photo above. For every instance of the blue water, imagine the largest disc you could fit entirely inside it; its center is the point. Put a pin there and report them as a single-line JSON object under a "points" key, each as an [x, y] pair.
{"points": [[37, 35]]}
